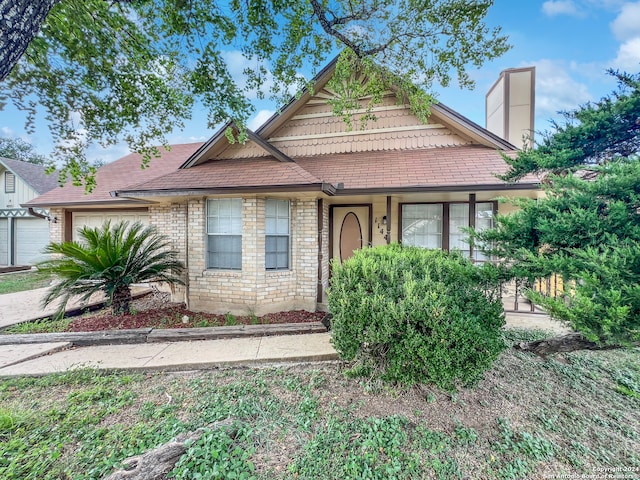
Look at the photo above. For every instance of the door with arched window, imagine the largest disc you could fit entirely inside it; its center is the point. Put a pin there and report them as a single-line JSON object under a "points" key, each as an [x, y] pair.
{"points": [[351, 225]]}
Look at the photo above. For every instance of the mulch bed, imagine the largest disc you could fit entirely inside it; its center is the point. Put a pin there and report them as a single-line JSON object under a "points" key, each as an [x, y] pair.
{"points": [[177, 316]]}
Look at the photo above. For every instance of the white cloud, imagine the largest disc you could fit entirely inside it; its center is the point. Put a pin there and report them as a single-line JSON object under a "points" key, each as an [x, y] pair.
{"points": [[556, 90], [260, 117], [6, 132], [237, 63], [628, 57], [626, 26], [560, 7]]}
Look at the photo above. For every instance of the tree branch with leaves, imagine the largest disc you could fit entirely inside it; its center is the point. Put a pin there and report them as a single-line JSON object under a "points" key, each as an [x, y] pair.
{"points": [[134, 71]]}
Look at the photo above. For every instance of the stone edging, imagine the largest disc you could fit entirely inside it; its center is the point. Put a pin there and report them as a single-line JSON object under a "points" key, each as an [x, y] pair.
{"points": [[145, 335]]}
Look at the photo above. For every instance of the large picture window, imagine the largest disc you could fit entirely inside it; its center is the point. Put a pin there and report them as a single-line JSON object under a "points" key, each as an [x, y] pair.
{"points": [[441, 225], [277, 234], [224, 234]]}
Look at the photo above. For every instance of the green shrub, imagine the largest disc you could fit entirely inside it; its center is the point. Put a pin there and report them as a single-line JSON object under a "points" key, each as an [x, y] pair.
{"points": [[409, 315]]}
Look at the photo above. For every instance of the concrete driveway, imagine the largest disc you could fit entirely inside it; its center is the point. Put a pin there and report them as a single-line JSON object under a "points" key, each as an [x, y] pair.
{"points": [[25, 306]]}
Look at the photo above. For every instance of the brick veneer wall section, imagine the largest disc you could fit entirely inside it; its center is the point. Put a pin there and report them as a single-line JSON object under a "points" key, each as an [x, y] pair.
{"points": [[171, 220], [254, 289], [56, 230]]}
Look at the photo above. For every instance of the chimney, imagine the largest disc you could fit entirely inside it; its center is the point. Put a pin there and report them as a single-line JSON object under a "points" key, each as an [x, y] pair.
{"points": [[510, 106]]}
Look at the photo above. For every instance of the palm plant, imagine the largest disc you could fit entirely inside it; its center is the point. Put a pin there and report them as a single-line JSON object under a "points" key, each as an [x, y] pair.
{"points": [[110, 259]]}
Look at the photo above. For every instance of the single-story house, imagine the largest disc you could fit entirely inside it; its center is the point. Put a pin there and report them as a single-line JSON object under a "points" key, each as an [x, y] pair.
{"points": [[24, 232], [257, 224]]}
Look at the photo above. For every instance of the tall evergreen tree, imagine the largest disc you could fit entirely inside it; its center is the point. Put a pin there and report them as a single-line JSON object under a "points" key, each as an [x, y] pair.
{"points": [[587, 227]]}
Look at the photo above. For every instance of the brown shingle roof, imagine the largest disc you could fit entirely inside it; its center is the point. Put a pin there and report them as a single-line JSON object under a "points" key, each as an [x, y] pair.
{"points": [[429, 167], [254, 172], [118, 174], [33, 175], [464, 166]]}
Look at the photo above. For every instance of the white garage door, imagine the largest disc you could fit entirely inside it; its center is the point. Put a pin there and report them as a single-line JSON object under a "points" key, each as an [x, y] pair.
{"points": [[96, 219], [32, 236], [4, 241]]}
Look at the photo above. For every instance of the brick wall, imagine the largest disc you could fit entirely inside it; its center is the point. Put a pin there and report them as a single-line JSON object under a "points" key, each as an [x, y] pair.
{"points": [[56, 230], [254, 289], [171, 220], [325, 247]]}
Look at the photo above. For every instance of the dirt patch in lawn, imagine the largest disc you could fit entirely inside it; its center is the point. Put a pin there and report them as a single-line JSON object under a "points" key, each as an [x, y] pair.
{"points": [[156, 311]]}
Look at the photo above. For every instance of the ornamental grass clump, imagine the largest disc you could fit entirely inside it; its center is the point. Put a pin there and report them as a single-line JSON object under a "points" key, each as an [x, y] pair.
{"points": [[407, 315]]}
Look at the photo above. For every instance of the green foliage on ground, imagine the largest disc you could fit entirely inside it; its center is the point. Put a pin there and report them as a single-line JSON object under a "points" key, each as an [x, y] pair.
{"points": [[44, 325], [409, 315], [527, 418], [109, 259]]}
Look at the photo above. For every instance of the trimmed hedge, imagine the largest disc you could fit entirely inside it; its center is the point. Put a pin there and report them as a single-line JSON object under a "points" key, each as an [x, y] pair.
{"points": [[408, 315]]}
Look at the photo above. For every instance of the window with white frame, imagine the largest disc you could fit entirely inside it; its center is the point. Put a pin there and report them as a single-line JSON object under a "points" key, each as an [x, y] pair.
{"points": [[277, 234], [224, 234], [422, 225], [9, 182], [483, 221], [441, 225]]}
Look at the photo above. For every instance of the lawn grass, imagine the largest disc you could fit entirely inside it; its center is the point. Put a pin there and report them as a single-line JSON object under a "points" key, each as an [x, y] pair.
{"points": [[19, 282], [527, 418], [43, 325]]}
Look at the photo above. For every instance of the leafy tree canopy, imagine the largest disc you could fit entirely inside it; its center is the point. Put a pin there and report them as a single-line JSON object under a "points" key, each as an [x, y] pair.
{"points": [[18, 149], [106, 71]]}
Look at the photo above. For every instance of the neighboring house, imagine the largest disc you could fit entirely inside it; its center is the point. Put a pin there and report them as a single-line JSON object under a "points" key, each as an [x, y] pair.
{"points": [[24, 232], [72, 208], [259, 223]]}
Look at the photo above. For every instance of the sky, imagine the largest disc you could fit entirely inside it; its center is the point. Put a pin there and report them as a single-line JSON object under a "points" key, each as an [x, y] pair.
{"points": [[571, 43]]}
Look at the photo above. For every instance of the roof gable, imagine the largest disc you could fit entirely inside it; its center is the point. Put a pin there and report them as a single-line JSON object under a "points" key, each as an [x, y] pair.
{"points": [[306, 126], [33, 175]]}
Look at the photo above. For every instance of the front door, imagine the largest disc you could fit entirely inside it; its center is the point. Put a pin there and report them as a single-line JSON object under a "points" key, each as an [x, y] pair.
{"points": [[351, 230]]}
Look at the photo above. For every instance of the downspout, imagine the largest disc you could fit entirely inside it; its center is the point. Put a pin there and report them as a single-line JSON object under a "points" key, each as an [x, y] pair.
{"points": [[186, 258], [48, 218]]}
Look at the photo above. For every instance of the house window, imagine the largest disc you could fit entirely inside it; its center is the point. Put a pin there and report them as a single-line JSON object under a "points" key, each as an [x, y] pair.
{"points": [[459, 219], [9, 182], [422, 225], [441, 225], [277, 234], [483, 221], [224, 234]]}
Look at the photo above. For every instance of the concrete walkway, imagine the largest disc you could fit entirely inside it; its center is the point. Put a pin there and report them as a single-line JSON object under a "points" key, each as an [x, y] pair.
{"points": [[24, 359], [41, 359], [26, 306], [59, 356]]}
